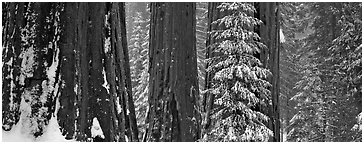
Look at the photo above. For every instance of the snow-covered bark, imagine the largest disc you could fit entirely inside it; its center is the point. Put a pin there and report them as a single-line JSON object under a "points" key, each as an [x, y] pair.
{"points": [[64, 67], [11, 43], [35, 60]]}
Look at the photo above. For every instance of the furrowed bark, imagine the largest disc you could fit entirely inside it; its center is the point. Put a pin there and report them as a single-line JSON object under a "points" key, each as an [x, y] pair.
{"points": [[11, 40], [269, 33], [173, 73]]}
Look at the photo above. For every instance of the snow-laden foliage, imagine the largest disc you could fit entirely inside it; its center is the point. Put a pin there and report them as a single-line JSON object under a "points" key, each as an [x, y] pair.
{"points": [[329, 92], [201, 36], [139, 63], [238, 79]]}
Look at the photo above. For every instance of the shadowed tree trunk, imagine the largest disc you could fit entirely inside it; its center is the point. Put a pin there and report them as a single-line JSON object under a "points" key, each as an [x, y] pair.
{"points": [[208, 99], [12, 22], [29, 49], [95, 73], [173, 74], [269, 33], [70, 61]]}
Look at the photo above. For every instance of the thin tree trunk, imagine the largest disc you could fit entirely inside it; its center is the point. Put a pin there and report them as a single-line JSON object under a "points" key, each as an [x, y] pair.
{"points": [[208, 100], [269, 33]]}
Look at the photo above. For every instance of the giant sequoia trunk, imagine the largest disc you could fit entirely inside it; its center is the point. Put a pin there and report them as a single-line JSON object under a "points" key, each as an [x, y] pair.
{"points": [[12, 22], [269, 33], [95, 72], [69, 56], [173, 74], [29, 48]]}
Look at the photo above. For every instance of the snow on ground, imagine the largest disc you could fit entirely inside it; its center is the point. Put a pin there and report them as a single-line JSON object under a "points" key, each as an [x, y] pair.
{"points": [[52, 133], [96, 129], [19, 134]]}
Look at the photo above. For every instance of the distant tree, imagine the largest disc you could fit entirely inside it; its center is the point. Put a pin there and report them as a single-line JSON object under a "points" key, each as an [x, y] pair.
{"points": [[288, 66], [329, 89], [139, 60]]}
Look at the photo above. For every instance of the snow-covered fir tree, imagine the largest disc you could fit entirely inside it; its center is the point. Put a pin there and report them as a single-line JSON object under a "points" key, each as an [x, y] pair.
{"points": [[328, 100], [139, 60], [238, 78]]}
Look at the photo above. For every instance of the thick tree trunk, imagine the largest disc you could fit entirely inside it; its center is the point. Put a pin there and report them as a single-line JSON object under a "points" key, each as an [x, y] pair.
{"points": [[29, 52], [11, 43], [269, 33], [67, 112], [91, 61], [96, 73], [173, 74]]}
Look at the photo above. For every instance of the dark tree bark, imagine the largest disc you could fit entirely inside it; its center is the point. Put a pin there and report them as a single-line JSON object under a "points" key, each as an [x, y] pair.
{"points": [[269, 33], [94, 46], [11, 43], [36, 84], [173, 74], [74, 53], [67, 113], [32, 51], [118, 39]]}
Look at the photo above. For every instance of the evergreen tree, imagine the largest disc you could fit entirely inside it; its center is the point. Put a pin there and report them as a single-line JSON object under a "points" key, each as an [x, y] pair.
{"points": [[139, 45], [136, 47], [289, 72], [329, 87], [238, 81]]}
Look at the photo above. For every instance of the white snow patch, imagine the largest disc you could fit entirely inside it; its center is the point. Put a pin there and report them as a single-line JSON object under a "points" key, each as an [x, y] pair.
{"points": [[28, 60], [12, 86], [105, 85], [51, 71], [10, 62], [126, 138], [281, 36], [21, 131], [118, 106], [96, 129], [107, 45], [46, 89], [98, 100], [75, 89], [17, 134], [52, 133]]}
